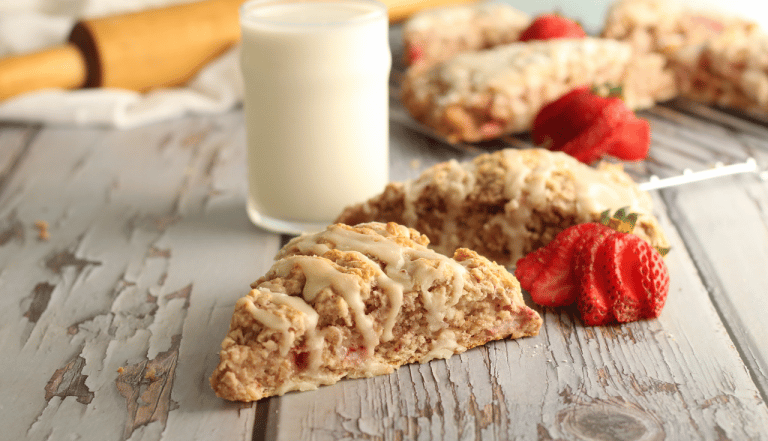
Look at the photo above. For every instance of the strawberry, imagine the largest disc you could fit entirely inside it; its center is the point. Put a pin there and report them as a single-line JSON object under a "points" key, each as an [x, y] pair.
{"points": [[597, 140], [547, 274], [613, 276], [576, 107], [592, 301], [633, 140], [587, 126], [638, 280], [549, 26], [529, 267]]}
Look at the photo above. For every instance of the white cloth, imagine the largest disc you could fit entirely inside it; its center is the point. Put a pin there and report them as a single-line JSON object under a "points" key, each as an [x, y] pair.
{"points": [[31, 25]]}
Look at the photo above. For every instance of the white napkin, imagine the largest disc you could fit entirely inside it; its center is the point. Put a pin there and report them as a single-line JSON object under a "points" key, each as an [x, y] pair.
{"points": [[31, 25]]}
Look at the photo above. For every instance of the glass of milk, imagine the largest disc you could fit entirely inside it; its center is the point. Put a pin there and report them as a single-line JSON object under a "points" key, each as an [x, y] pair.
{"points": [[316, 76]]}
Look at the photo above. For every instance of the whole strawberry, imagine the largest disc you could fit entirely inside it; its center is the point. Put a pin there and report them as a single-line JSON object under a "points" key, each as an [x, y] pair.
{"points": [[549, 26], [588, 126]]}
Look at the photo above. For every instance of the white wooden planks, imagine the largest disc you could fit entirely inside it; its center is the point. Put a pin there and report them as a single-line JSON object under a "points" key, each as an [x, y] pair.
{"points": [[112, 326]]}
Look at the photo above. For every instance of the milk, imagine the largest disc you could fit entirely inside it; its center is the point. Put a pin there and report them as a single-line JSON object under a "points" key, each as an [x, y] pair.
{"points": [[316, 108]]}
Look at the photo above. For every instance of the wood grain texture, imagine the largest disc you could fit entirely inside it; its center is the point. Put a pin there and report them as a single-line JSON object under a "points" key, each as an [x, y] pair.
{"points": [[725, 226], [112, 326]]}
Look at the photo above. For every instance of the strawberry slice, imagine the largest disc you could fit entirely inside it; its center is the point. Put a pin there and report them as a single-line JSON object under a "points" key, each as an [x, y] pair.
{"points": [[548, 274], [655, 279], [566, 117], [633, 140], [550, 26], [638, 280], [588, 126], [592, 301], [529, 267], [599, 138]]}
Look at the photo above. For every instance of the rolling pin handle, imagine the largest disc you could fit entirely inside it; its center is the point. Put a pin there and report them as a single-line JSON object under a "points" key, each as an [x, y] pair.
{"points": [[59, 67]]}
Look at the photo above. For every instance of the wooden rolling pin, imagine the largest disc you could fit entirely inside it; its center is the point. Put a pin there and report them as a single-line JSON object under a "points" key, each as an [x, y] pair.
{"points": [[161, 47]]}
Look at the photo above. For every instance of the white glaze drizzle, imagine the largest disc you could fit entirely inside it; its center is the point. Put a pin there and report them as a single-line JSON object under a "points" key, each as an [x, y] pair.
{"points": [[525, 187], [282, 324], [403, 266]]}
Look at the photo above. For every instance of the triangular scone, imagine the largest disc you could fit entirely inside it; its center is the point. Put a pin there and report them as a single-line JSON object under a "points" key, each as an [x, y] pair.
{"points": [[437, 34], [361, 301], [483, 95], [665, 26], [507, 203]]}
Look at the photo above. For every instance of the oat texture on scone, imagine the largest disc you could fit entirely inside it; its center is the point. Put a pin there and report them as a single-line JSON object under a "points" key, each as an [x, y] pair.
{"points": [[666, 26], [437, 34], [483, 95], [359, 301], [729, 70], [508, 203]]}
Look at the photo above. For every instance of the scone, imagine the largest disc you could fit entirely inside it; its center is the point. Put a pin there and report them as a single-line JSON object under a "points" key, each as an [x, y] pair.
{"points": [[729, 70], [361, 301], [439, 33], [665, 26], [487, 94], [508, 203]]}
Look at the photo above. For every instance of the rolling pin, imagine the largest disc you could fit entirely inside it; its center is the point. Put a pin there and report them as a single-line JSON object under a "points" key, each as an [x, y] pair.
{"points": [[161, 47]]}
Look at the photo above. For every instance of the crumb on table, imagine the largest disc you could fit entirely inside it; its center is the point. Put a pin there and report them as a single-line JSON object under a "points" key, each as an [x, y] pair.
{"points": [[42, 230]]}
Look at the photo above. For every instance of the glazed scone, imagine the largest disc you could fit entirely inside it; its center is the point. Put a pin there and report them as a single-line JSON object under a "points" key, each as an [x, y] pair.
{"points": [[437, 34], [361, 301], [729, 70], [508, 203], [665, 26], [483, 95]]}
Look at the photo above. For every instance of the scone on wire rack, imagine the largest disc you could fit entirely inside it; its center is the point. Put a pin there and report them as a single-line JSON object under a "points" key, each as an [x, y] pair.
{"points": [[361, 301], [729, 70], [484, 95], [717, 58], [437, 34], [508, 203], [665, 26]]}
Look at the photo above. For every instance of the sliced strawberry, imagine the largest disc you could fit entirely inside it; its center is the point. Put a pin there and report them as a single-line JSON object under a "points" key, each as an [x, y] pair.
{"points": [[638, 281], [549, 120], [567, 117], [632, 140], [528, 268], [598, 139], [555, 283], [549, 26], [655, 279], [593, 301]]}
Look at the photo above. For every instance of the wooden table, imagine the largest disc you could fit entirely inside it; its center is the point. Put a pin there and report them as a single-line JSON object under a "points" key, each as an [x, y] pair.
{"points": [[111, 318]]}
